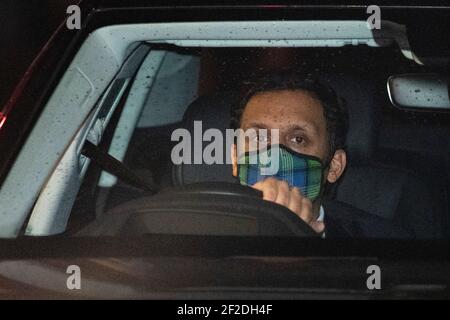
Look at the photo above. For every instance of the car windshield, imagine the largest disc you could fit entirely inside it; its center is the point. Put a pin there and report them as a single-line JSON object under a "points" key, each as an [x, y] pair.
{"points": [[395, 176]]}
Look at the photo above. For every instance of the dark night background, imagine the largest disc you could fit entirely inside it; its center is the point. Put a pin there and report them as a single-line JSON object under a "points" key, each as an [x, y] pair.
{"points": [[25, 26]]}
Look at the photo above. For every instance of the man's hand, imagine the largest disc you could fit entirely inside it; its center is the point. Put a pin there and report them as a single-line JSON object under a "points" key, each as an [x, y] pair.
{"points": [[279, 192]]}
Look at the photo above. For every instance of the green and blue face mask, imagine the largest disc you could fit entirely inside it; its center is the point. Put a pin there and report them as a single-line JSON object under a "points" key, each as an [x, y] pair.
{"points": [[298, 170]]}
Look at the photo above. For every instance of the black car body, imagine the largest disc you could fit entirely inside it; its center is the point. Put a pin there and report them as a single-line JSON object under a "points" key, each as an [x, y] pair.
{"points": [[193, 266]]}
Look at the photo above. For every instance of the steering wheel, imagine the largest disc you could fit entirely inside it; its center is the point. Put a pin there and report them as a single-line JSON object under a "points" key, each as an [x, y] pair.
{"points": [[206, 208]]}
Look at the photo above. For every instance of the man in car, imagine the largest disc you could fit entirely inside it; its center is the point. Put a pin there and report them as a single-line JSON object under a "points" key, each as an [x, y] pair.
{"points": [[312, 125]]}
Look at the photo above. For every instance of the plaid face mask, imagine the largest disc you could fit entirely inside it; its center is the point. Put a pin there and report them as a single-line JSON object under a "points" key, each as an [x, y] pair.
{"points": [[298, 170]]}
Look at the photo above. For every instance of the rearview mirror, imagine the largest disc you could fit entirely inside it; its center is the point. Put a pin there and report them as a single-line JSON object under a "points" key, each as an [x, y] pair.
{"points": [[422, 92]]}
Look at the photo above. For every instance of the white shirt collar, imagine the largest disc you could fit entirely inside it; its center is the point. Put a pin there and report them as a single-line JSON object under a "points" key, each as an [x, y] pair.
{"points": [[321, 218], [321, 214]]}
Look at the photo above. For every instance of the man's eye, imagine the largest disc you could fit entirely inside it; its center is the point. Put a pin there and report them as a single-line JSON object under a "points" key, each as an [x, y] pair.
{"points": [[298, 140]]}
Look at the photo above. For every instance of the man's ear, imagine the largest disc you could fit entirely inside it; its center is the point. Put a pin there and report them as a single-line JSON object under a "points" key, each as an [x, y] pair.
{"points": [[337, 165], [234, 159]]}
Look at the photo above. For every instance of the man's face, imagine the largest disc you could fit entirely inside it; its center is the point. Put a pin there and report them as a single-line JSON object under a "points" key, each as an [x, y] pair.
{"points": [[299, 117]]}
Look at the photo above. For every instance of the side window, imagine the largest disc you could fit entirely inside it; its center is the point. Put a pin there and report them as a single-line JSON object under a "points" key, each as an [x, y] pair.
{"points": [[164, 85], [54, 205], [150, 92], [174, 88]]}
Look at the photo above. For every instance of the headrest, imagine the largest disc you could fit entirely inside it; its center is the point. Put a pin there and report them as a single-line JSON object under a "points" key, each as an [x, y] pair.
{"points": [[363, 103], [215, 112]]}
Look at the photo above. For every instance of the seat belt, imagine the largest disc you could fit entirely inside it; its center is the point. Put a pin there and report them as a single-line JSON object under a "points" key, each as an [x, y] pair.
{"points": [[115, 167]]}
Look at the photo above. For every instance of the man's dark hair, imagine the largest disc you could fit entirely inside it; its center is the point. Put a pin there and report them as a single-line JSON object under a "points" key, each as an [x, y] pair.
{"points": [[334, 109]]}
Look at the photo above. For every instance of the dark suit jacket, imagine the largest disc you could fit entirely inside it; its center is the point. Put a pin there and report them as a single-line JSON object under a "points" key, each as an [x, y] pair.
{"points": [[344, 221]]}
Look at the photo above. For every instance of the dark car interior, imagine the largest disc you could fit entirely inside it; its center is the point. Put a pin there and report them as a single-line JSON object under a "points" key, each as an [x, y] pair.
{"points": [[398, 160]]}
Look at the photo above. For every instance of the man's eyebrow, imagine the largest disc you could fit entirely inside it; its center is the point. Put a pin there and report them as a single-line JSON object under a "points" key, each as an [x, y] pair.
{"points": [[293, 127], [304, 127], [256, 125]]}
